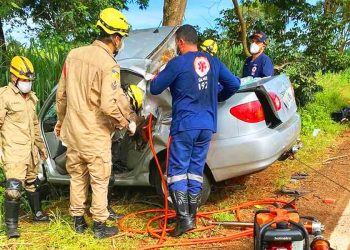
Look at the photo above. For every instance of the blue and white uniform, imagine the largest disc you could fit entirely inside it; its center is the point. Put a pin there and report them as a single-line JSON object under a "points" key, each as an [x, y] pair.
{"points": [[193, 80]]}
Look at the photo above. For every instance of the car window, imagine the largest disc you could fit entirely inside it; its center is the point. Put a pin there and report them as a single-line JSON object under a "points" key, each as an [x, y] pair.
{"points": [[50, 119]]}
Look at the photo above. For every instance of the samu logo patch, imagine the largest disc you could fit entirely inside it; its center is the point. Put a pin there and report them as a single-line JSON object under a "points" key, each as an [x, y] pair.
{"points": [[201, 66]]}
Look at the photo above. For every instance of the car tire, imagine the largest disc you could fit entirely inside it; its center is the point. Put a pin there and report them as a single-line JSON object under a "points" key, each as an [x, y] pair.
{"points": [[158, 185]]}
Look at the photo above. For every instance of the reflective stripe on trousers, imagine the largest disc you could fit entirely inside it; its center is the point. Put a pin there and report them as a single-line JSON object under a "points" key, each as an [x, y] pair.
{"points": [[181, 177]]}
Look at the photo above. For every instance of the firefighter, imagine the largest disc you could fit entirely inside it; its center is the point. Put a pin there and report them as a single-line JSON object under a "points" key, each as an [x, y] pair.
{"points": [[90, 106], [258, 64], [192, 78], [21, 143], [210, 46]]}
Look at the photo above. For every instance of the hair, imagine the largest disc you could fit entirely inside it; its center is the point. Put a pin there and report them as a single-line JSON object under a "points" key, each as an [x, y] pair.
{"points": [[105, 37], [188, 33]]}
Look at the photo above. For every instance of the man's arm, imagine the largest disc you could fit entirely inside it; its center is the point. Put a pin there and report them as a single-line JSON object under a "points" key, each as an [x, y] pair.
{"points": [[38, 141], [114, 102], [164, 79], [229, 82], [268, 67], [61, 96]]}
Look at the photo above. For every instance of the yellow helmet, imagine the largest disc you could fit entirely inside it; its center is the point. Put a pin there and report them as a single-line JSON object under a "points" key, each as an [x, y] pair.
{"points": [[135, 95], [113, 21], [210, 46], [22, 68]]}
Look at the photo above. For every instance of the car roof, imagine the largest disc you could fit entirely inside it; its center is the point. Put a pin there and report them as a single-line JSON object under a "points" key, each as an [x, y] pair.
{"points": [[142, 42]]}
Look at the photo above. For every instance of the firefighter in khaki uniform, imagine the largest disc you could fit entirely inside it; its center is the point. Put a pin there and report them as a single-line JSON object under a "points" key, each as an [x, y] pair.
{"points": [[90, 106], [20, 143]]}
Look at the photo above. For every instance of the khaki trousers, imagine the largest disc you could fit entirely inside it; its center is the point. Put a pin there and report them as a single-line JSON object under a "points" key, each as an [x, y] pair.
{"points": [[84, 170], [25, 172]]}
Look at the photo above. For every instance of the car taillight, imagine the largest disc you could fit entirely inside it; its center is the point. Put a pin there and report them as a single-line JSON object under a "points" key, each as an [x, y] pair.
{"points": [[280, 246], [252, 112], [276, 101]]}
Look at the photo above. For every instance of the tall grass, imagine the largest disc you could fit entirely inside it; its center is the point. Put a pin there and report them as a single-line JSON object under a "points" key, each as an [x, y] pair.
{"points": [[232, 56], [47, 59]]}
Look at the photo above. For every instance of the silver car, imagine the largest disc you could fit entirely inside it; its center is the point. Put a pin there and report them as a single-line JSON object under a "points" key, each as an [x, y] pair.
{"points": [[256, 126]]}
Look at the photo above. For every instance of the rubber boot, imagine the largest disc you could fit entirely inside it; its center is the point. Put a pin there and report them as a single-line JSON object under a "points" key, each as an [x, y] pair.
{"points": [[102, 231], [35, 205], [79, 224], [193, 204], [184, 222], [113, 215], [11, 218]]}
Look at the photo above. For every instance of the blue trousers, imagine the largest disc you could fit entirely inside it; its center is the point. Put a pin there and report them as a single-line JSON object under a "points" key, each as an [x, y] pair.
{"points": [[188, 152]]}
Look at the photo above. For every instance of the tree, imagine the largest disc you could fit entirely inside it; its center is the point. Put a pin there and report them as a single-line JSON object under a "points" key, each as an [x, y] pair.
{"points": [[7, 8], [173, 12], [243, 27], [64, 21]]}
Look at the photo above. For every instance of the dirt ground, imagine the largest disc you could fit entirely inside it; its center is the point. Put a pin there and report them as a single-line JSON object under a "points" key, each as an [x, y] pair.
{"points": [[317, 188]]}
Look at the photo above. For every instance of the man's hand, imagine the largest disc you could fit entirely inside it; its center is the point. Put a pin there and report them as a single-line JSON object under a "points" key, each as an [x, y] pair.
{"points": [[57, 129], [43, 153], [132, 128]]}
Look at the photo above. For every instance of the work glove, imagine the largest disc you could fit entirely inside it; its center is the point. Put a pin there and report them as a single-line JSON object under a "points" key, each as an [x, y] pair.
{"points": [[43, 153], [131, 128], [149, 76], [57, 129]]}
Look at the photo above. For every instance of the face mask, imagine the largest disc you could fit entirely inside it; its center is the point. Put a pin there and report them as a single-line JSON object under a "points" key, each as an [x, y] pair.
{"points": [[254, 48], [121, 45], [24, 87]]}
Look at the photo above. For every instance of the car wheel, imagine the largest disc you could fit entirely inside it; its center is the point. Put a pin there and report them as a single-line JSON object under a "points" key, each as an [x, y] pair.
{"points": [[159, 189]]}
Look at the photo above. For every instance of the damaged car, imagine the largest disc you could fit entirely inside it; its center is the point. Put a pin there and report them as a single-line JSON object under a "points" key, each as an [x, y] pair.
{"points": [[256, 127]]}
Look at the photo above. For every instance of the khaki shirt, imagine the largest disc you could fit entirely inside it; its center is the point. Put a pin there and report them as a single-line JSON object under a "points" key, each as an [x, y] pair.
{"points": [[90, 101], [19, 127]]}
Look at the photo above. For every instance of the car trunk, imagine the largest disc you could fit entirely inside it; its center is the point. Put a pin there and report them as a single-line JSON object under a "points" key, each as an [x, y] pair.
{"points": [[264, 103]]}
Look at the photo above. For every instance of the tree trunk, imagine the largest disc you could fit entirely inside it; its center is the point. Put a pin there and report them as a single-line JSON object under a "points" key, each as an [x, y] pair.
{"points": [[243, 27], [173, 12], [2, 37], [329, 7]]}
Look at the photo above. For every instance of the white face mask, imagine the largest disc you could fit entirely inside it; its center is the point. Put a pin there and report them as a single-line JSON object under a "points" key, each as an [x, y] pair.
{"points": [[254, 48], [24, 87], [122, 45]]}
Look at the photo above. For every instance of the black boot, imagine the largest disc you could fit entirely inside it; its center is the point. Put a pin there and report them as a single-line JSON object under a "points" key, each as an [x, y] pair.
{"points": [[184, 222], [113, 215], [11, 218], [102, 231], [79, 224], [193, 204], [35, 205]]}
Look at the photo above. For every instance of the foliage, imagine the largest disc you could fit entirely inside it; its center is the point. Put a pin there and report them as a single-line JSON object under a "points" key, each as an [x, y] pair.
{"points": [[305, 39], [47, 59], [334, 97], [63, 20], [231, 56]]}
